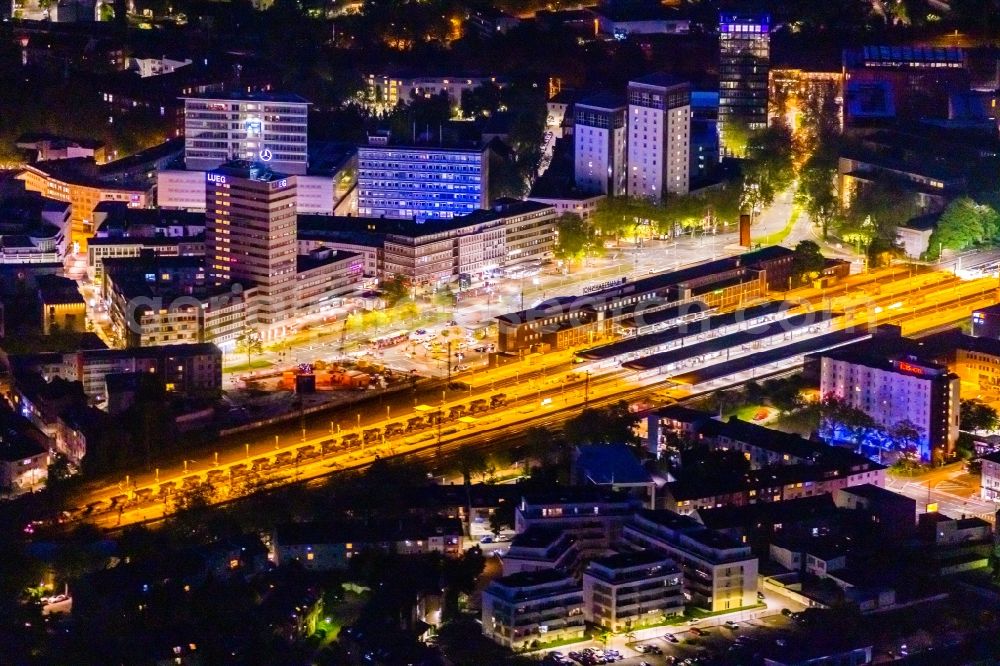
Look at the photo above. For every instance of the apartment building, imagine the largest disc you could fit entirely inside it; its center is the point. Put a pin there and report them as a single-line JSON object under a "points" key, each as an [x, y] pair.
{"points": [[629, 590], [185, 368], [263, 127], [532, 606], [659, 136], [719, 573], [593, 516], [383, 92], [600, 144], [328, 546], [540, 548]]}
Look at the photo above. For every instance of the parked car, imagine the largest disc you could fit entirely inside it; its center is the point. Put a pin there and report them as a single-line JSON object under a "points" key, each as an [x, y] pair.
{"points": [[670, 638], [732, 625]]}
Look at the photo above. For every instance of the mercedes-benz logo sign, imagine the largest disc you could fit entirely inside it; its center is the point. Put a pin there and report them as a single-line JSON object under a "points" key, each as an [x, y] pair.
{"points": [[265, 155]]}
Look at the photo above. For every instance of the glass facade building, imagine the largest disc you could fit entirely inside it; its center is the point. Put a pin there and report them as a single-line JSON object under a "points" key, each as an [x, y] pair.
{"points": [[422, 183], [744, 62]]}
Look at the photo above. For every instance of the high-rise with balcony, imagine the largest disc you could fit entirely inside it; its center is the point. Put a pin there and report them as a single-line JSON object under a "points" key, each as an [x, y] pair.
{"points": [[263, 127], [600, 144], [250, 229], [659, 136], [744, 62]]}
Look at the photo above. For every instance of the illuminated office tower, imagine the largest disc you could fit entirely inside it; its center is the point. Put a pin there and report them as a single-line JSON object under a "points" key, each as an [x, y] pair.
{"points": [[600, 144], [659, 136], [744, 62], [261, 127], [250, 238], [422, 183]]}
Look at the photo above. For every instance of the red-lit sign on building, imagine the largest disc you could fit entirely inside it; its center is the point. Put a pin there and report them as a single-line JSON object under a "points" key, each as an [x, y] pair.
{"points": [[909, 367]]}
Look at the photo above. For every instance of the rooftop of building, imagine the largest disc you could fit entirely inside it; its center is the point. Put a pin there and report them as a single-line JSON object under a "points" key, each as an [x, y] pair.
{"points": [[250, 170], [336, 226], [659, 79], [525, 579], [771, 477], [645, 11], [875, 493], [58, 140], [285, 98], [360, 532], [537, 536], [662, 281], [609, 464], [56, 290], [683, 414], [161, 351], [577, 495], [903, 56], [603, 100], [314, 260], [763, 437], [636, 558], [785, 512], [19, 439]]}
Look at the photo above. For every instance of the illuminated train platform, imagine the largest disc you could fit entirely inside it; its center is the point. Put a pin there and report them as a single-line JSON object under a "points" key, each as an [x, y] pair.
{"points": [[725, 347], [646, 320], [763, 363], [687, 333]]}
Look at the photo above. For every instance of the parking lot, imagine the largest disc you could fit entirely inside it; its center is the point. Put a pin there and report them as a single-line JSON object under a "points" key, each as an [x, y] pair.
{"points": [[729, 644]]}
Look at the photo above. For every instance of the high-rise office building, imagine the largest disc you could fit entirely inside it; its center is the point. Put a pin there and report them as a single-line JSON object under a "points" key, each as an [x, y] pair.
{"points": [[421, 182], [600, 140], [262, 127], [659, 136], [744, 62], [250, 238]]}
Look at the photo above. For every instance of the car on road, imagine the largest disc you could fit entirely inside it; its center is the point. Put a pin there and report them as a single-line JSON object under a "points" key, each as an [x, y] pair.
{"points": [[670, 638], [786, 612], [760, 596], [732, 625], [461, 368], [486, 539]]}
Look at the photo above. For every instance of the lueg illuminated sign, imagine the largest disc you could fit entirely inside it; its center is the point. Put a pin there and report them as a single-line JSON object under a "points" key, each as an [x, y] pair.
{"points": [[216, 178]]}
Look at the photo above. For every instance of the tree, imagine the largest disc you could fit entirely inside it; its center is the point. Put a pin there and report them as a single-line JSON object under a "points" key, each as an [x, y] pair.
{"points": [[768, 168], [816, 191], [576, 238], [807, 262], [963, 224], [249, 342], [502, 517], [906, 435], [609, 425], [977, 415], [395, 289]]}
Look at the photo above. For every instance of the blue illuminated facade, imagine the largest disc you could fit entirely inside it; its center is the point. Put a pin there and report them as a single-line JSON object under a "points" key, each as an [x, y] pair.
{"points": [[422, 183]]}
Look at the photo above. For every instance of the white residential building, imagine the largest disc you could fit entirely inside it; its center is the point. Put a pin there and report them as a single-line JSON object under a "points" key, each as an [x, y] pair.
{"points": [[541, 606], [659, 136], [600, 144], [630, 590], [719, 573]]}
